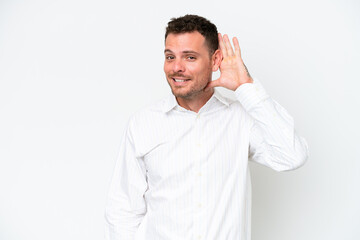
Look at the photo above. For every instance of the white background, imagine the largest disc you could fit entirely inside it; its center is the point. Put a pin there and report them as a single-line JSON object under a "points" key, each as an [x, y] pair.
{"points": [[72, 72]]}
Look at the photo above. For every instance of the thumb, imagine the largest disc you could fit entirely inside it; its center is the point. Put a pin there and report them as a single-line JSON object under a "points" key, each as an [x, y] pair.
{"points": [[212, 84]]}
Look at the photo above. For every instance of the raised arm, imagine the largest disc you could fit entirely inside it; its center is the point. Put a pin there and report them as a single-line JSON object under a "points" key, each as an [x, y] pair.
{"points": [[273, 140]]}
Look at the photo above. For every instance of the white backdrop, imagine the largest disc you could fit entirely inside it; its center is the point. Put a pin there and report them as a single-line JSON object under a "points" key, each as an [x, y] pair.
{"points": [[73, 71]]}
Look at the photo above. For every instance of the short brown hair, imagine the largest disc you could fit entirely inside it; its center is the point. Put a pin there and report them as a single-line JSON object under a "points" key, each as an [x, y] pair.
{"points": [[192, 23]]}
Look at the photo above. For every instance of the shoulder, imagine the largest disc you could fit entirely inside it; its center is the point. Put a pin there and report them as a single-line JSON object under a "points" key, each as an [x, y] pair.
{"points": [[149, 115], [147, 126], [155, 108], [229, 99], [234, 113]]}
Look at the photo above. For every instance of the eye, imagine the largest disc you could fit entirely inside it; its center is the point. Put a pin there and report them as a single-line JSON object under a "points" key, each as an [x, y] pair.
{"points": [[169, 57], [191, 58]]}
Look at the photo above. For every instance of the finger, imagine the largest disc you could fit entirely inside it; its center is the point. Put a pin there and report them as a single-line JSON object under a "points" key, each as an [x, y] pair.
{"points": [[222, 46], [228, 46], [212, 84], [247, 71], [236, 46]]}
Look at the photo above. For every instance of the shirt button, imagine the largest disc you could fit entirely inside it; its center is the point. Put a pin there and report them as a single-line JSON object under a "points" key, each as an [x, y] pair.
{"points": [[199, 237], [199, 205], [199, 174], [197, 116]]}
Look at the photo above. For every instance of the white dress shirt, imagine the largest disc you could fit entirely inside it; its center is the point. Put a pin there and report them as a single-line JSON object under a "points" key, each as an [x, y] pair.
{"points": [[188, 172]]}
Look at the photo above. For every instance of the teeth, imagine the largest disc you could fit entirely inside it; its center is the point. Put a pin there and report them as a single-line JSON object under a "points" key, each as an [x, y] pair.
{"points": [[179, 80]]}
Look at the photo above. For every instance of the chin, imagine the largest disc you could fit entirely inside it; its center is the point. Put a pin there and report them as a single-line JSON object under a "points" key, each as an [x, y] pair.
{"points": [[186, 94], [181, 94]]}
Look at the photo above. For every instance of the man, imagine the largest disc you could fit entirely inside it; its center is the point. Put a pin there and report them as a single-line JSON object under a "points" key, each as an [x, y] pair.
{"points": [[183, 163]]}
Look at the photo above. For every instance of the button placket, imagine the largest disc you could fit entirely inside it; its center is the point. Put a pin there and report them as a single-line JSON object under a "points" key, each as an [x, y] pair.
{"points": [[198, 204]]}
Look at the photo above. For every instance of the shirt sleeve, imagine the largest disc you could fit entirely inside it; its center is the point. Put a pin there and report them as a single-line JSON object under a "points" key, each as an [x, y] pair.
{"points": [[126, 207], [273, 140]]}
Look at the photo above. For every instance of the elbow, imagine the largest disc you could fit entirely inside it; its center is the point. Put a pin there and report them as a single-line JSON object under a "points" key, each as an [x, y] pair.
{"points": [[289, 165], [294, 161], [116, 216], [299, 155], [302, 154], [299, 161], [109, 217]]}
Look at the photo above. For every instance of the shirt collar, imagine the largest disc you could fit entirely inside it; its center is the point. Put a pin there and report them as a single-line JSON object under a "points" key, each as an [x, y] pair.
{"points": [[221, 98], [170, 101]]}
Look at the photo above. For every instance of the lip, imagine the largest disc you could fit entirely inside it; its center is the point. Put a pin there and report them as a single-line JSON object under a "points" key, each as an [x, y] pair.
{"points": [[186, 80]]}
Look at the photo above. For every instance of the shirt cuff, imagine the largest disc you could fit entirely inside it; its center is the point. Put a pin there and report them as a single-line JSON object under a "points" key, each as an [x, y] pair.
{"points": [[250, 94]]}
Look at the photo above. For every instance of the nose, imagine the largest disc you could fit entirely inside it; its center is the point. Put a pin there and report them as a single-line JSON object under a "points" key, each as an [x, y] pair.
{"points": [[178, 66]]}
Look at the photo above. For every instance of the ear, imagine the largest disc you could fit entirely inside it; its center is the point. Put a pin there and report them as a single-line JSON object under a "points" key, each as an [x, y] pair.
{"points": [[216, 60]]}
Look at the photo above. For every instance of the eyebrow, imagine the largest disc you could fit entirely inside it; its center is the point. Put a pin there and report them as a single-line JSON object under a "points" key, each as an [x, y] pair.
{"points": [[186, 51]]}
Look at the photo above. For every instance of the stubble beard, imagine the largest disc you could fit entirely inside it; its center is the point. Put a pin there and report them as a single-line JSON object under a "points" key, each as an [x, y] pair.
{"points": [[193, 92]]}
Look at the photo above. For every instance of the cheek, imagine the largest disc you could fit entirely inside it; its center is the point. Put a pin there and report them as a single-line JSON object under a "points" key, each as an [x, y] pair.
{"points": [[200, 71], [166, 67], [193, 69]]}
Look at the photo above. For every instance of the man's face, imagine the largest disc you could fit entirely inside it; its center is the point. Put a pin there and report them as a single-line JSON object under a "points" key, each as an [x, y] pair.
{"points": [[188, 65]]}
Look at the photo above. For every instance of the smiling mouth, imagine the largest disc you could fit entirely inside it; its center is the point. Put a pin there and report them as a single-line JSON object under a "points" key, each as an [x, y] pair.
{"points": [[180, 80]]}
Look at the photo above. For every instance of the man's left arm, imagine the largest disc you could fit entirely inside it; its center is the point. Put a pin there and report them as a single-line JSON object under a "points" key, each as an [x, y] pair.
{"points": [[273, 141]]}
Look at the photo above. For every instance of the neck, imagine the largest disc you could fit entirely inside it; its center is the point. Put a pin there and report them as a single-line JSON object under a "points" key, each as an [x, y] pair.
{"points": [[195, 103]]}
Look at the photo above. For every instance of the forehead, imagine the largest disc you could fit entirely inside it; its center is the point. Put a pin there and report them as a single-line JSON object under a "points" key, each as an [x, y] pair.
{"points": [[185, 41]]}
